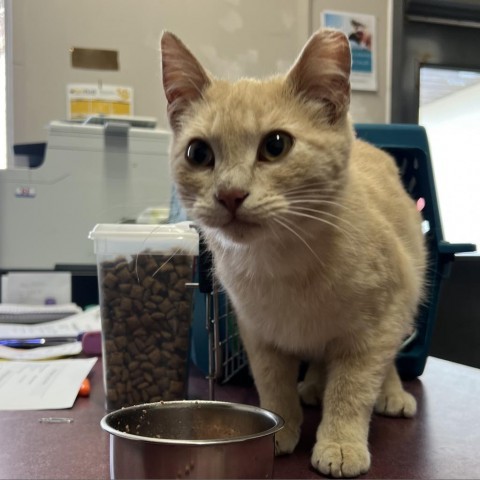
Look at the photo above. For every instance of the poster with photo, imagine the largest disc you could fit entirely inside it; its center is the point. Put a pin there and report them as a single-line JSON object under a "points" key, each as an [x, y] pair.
{"points": [[360, 30]]}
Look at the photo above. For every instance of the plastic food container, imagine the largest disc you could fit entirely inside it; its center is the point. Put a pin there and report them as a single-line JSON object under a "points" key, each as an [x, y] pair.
{"points": [[146, 309], [192, 439]]}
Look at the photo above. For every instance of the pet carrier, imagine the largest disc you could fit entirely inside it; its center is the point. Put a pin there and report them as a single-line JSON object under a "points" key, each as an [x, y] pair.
{"points": [[216, 346]]}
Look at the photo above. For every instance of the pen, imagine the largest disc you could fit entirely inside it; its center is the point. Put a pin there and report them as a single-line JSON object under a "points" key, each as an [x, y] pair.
{"points": [[38, 341]]}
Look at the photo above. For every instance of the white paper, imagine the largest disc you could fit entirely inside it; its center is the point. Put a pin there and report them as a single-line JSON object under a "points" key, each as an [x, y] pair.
{"points": [[41, 353], [37, 288], [42, 385], [87, 321], [18, 313]]}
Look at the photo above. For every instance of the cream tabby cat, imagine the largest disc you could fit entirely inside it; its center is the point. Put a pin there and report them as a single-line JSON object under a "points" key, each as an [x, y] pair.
{"points": [[313, 237]]}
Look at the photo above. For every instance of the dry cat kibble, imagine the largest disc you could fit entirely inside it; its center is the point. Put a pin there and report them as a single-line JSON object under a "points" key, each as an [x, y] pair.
{"points": [[146, 314]]}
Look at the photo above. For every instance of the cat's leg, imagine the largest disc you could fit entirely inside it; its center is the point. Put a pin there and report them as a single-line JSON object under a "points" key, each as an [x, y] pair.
{"points": [[313, 385], [276, 375], [352, 387], [393, 400]]}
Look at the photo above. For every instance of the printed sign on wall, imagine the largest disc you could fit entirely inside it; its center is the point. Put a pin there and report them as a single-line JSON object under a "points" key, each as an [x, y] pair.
{"points": [[85, 100], [360, 30]]}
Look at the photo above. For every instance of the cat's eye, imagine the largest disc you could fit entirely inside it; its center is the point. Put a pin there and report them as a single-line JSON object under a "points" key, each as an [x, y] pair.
{"points": [[200, 154], [275, 146]]}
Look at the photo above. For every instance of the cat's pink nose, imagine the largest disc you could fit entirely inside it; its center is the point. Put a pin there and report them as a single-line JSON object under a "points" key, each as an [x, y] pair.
{"points": [[232, 199]]}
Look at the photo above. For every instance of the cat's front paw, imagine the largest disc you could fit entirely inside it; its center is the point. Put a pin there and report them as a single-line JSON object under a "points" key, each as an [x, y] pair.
{"points": [[286, 440], [340, 460], [397, 404], [310, 393]]}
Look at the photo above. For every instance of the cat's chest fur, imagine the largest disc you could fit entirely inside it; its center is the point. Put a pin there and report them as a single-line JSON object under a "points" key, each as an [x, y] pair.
{"points": [[298, 311]]}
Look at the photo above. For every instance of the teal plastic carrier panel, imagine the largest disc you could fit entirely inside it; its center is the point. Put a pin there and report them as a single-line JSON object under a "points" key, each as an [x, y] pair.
{"points": [[408, 144]]}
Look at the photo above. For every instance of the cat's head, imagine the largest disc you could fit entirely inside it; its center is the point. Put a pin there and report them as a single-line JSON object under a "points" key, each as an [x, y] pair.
{"points": [[255, 158]]}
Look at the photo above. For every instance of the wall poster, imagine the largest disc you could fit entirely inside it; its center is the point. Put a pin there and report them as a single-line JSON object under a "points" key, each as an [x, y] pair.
{"points": [[360, 30]]}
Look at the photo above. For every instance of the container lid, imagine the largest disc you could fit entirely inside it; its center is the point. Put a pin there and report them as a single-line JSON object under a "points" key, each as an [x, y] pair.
{"points": [[176, 238]]}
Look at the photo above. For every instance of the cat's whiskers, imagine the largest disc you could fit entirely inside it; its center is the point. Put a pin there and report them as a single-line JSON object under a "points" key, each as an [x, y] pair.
{"points": [[327, 214], [284, 223], [317, 201], [188, 198], [337, 227], [266, 206], [318, 186], [165, 262], [290, 221], [154, 230], [272, 229], [303, 203], [312, 193]]}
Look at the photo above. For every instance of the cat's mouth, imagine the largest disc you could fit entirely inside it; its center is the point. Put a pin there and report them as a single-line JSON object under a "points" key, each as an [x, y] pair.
{"points": [[240, 229], [236, 222]]}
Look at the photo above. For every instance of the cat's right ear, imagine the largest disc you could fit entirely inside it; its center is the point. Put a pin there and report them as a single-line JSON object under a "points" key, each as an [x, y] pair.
{"points": [[184, 79]]}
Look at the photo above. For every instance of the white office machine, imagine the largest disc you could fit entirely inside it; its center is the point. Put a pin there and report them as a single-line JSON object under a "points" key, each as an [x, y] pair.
{"points": [[91, 173]]}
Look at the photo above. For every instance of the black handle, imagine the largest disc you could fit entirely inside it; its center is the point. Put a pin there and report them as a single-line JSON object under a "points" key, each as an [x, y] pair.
{"points": [[205, 282]]}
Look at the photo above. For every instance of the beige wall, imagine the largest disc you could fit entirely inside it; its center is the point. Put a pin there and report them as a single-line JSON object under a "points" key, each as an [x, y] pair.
{"points": [[231, 37]]}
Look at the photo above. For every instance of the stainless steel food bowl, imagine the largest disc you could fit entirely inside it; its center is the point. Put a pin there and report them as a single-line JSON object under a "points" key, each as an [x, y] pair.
{"points": [[191, 439]]}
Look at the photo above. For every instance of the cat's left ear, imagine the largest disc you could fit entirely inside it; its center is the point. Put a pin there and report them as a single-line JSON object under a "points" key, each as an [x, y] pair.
{"points": [[184, 79], [322, 72]]}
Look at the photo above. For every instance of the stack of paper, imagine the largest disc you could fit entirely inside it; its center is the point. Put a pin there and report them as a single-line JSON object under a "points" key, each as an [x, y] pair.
{"points": [[37, 288], [16, 313], [72, 326], [33, 297]]}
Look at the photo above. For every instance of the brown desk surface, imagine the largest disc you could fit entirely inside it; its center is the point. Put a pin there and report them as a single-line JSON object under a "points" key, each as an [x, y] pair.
{"points": [[443, 441]]}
